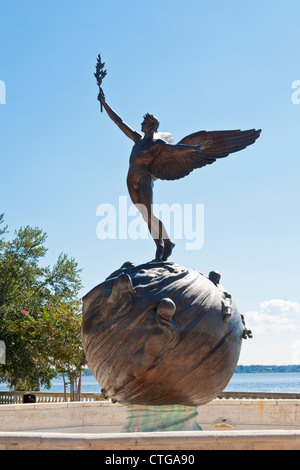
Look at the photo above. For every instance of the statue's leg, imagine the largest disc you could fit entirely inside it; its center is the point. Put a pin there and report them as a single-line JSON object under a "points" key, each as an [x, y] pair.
{"points": [[141, 196], [156, 222], [169, 245], [155, 226]]}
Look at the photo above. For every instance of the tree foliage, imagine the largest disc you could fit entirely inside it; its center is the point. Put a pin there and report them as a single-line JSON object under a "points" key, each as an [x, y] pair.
{"points": [[26, 288], [58, 327]]}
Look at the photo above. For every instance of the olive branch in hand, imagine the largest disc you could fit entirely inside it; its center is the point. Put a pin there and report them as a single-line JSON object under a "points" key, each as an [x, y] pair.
{"points": [[99, 75]]}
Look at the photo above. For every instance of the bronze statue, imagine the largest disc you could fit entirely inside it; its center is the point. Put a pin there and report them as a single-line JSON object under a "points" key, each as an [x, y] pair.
{"points": [[160, 333], [153, 158]]}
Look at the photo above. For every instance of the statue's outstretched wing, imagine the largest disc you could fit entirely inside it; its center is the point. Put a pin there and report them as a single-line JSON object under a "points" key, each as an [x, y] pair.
{"points": [[222, 142], [202, 148]]}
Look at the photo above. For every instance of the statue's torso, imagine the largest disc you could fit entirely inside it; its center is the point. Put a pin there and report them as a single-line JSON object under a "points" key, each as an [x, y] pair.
{"points": [[142, 154]]}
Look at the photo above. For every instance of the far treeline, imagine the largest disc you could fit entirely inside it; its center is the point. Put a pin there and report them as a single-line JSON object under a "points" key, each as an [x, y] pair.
{"points": [[271, 368]]}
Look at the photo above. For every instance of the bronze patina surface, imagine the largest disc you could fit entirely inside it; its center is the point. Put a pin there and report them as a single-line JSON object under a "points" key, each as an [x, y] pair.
{"points": [[153, 158], [160, 333]]}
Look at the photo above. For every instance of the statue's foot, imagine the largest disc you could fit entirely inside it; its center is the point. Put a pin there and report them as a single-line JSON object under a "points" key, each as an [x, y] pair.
{"points": [[169, 245], [159, 252]]}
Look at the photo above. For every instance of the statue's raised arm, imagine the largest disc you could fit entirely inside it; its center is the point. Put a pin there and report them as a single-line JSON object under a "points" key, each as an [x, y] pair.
{"points": [[99, 75], [133, 135]]}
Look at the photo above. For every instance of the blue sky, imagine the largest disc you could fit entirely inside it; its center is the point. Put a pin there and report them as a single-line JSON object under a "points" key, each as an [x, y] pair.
{"points": [[195, 65]]}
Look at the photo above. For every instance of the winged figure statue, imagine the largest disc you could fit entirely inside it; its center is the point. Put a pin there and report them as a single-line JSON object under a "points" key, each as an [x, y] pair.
{"points": [[152, 158]]}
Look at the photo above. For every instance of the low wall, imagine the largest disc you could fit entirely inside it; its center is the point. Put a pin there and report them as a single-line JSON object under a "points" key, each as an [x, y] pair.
{"points": [[106, 417], [225, 424], [250, 414], [188, 440], [62, 417]]}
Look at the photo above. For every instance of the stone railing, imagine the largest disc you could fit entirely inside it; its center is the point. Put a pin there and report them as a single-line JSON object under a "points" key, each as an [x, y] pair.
{"points": [[10, 398], [259, 395]]}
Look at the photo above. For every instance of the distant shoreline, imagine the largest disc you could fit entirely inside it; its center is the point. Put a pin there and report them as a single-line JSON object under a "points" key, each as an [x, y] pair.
{"points": [[265, 369], [255, 368]]}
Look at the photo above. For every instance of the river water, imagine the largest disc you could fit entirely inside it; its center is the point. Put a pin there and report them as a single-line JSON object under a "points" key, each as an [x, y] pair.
{"points": [[280, 382]]}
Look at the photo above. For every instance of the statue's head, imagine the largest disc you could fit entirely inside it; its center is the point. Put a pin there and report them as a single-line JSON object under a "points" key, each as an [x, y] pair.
{"points": [[150, 123]]}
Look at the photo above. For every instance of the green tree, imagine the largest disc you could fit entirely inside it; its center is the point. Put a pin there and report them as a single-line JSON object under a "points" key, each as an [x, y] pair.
{"points": [[25, 288], [58, 327]]}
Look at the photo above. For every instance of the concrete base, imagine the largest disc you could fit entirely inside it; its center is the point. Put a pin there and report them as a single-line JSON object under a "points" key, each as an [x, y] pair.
{"points": [[176, 440], [226, 424]]}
